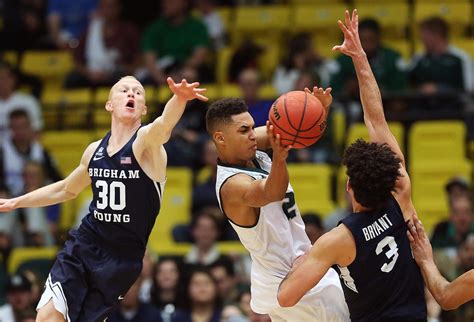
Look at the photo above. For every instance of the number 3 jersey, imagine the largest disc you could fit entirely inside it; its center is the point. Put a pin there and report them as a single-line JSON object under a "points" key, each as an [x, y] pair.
{"points": [[274, 242], [383, 282], [125, 201]]}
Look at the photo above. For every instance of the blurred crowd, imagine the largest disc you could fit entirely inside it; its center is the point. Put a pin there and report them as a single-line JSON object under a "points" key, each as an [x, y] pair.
{"points": [[181, 38]]}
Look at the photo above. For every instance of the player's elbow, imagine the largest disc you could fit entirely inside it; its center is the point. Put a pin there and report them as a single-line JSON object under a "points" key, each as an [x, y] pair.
{"points": [[447, 301], [284, 300]]}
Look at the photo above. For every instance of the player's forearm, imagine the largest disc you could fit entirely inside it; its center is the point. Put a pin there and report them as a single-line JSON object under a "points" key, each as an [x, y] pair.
{"points": [[160, 130], [369, 91], [49, 195], [435, 282], [277, 181]]}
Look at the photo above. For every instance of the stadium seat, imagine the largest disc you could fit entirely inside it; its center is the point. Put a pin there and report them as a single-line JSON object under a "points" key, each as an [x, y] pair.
{"points": [[175, 209], [66, 108], [224, 56], [404, 47], [261, 18], [456, 13], [312, 186], [392, 16], [359, 130], [50, 66], [11, 57], [22, 255], [466, 44], [226, 15], [443, 141], [307, 17], [213, 91]]}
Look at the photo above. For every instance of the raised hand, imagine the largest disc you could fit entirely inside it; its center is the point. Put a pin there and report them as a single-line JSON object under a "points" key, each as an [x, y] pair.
{"points": [[420, 244], [186, 91], [323, 95], [7, 205], [280, 152], [351, 45]]}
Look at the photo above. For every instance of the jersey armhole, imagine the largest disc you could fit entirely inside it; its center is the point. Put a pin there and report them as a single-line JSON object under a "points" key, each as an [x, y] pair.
{"points": [[222, 202]]}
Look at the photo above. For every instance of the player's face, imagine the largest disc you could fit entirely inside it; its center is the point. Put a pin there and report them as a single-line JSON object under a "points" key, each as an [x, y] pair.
{"points": [[240, 136], [127, 99]]}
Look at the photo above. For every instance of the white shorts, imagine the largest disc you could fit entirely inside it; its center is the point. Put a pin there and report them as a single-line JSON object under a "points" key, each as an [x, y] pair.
{"points": [[326, 306], [54, 292]]}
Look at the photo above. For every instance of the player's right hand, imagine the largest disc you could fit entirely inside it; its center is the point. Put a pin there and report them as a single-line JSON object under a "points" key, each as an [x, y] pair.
{"points": [[7, 205], [419, 241], [280, 152], [351, 45]]}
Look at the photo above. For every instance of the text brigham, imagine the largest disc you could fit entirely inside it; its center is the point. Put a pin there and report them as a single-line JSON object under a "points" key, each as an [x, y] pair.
{"points": [[114, 174], [377, 227]]}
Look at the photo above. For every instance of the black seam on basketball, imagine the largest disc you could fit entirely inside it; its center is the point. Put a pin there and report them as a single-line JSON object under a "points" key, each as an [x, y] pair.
{"points": [[275, 124], [302, 116], [315, 123], [287, 116]]}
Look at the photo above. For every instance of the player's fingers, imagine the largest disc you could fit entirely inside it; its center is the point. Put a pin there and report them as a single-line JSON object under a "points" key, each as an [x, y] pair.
{"points": [[170, 81], [194, 85], [355, 19], [347, 18], [183, 82], [201, 97], [288, 148], [306, 89], [343, 27], [336, 48], [328, 90], [200, 90], [410, 237]]}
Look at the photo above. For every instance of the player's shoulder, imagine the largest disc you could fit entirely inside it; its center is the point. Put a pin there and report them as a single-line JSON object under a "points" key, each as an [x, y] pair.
{"points": [[339, 242], [87, 155], [235, 185]]}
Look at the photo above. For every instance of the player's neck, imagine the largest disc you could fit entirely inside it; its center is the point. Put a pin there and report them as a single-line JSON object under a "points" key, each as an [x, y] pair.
{"points": [[357, 207], [121, 133]]}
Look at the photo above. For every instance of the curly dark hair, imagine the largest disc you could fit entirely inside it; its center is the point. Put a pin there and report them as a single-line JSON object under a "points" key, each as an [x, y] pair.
{"points": [[373, 170], [222, 110]]}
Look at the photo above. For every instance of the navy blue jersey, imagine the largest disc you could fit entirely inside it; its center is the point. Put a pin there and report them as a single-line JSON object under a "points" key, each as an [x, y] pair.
{"points": [[125, 200], [383, 282]]}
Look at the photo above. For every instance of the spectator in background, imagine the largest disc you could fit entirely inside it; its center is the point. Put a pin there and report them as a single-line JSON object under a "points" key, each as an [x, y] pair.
{"points": [[132, 310], [440, 67], [202, 302], [19, 299], [204, 193], [333, 219], [68, 20], [175, 40], [386, 63], [205, 230], [11, 99], [38, 230], [20, 148], [166, 283], [213, 22], [107, 51], [25, 18], [10, 229], [246, 56], [453, 232], [250, 84], [224, 274], [301, 58], [457, 187], [313, 226]]}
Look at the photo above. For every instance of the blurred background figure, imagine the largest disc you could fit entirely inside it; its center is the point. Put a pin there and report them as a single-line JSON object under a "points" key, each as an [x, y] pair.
{"points": [[212, 20], [202, 301], [107, 50], [224, 274], [313, 226], [133, 310], [175, 40], [166, 283], [67, 20], [250, 83], [19, 298], [147, 277]]}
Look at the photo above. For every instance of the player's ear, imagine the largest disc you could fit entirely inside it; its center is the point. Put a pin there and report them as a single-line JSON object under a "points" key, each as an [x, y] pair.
{"points": [[108, 106], [218, 137], [348, 185], [145, 110]]}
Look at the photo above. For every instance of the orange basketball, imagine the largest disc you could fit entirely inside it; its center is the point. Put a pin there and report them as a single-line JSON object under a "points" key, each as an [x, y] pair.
{"points": [[299, 118]]}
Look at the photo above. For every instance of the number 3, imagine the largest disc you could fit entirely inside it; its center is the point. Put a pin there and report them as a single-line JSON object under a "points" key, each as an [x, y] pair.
{"points": [[391, 253]]}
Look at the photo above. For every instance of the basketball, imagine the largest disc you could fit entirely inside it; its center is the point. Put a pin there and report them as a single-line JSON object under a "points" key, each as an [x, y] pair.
{"points": [[299, 118]]}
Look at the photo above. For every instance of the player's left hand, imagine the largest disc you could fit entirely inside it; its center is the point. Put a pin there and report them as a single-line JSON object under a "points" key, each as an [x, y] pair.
{"points": [[323, 95], [186, 91], [420, 244], [351, 45]]}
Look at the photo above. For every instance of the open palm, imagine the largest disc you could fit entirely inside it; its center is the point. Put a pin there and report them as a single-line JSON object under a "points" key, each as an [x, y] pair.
{"points": [[186, 91], [351, 45]]}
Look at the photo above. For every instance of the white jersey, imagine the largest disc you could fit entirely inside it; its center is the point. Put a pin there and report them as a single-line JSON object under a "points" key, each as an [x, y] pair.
{"points": [[274, 242]]}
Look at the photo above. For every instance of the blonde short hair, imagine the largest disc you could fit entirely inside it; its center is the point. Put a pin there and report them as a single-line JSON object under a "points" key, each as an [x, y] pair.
{"points": [[121, 79]]}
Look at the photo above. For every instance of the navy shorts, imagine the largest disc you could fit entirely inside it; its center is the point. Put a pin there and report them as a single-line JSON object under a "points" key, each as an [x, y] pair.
{"points": [[87, 279]]}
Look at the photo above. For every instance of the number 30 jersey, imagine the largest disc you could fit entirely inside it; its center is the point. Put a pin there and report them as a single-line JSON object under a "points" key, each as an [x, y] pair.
{"points": [[125, 200], [383, 282], [274, 242]]}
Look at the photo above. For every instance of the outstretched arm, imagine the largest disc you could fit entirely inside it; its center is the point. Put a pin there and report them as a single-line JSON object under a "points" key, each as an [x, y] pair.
{"points": [[57, 192], [370, 97], [449, 295]]}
